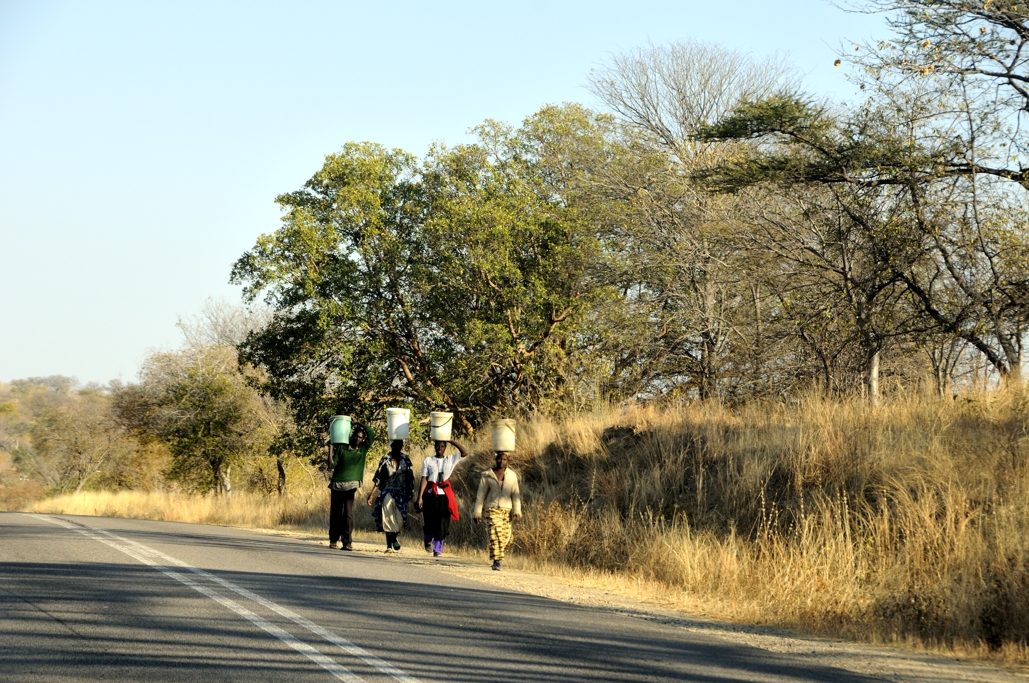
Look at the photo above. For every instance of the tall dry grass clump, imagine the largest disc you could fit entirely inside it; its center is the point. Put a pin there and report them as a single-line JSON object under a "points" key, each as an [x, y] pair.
{"points": [[904, 522]]}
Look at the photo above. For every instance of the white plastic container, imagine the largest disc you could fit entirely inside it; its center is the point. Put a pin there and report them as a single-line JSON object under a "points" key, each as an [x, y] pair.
{"points": [[440, 425], [503, 435], [398, 423]]}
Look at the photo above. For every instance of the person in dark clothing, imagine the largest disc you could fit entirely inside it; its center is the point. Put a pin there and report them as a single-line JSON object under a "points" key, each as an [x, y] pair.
{"points": [[436, 497], [394, 486], [346, 462]]}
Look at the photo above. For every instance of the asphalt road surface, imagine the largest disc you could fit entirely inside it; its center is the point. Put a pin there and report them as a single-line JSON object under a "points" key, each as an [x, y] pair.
{"points": [[89, 598]]}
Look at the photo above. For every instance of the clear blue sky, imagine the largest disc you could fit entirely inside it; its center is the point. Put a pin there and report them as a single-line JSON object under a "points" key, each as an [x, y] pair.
{"points": [[142, 143]]}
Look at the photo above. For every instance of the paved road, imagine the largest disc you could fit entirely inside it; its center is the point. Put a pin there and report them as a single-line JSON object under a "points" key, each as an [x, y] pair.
{"points": [[88, 598]]}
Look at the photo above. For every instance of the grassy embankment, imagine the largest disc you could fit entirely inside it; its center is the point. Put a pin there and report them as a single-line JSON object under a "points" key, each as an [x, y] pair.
{"points": [[905, 523]]}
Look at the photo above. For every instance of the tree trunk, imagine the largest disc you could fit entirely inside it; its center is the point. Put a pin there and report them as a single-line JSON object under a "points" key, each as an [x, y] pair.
{"points": [[942, 380], [708, 374], [758, 338], [1013, 377], [461, 424], [873, 378], [940, 359], [827, 373], [222, 483], [282, 475]]}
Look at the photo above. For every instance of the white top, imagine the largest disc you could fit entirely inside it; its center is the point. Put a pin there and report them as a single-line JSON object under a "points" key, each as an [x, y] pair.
{"points": [[433, 466]]}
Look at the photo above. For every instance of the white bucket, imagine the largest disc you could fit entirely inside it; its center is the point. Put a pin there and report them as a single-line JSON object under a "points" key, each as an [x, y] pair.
{"points": [[398, 423], [440, 425], [503, 435]]}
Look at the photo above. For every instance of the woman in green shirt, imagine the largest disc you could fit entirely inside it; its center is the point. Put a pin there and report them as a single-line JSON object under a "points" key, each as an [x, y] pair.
{"points": [[346, 462]]}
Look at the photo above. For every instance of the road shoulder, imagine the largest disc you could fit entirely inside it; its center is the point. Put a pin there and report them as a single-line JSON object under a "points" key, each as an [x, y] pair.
{"points": [[897, 665]]}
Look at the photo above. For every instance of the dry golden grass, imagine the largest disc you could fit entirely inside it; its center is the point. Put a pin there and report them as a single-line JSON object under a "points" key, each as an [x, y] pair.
{"points": [[295, 512], [904, 523], [900, 524]]}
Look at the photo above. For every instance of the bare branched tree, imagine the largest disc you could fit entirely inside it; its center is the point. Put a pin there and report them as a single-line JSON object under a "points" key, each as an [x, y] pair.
{"points": [[220, 323], [681, 264], [672, 90]]}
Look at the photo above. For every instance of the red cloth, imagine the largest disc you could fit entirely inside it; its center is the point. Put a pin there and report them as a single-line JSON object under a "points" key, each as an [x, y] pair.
{"points": [[435, 488]]}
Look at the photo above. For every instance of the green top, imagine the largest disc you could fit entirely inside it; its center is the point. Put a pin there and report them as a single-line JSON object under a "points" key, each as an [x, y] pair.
{"points": [[348, 465]]}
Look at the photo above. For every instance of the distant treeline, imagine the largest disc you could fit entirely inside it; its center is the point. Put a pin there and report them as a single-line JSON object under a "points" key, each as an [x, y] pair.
{"points": [[194, 422]]}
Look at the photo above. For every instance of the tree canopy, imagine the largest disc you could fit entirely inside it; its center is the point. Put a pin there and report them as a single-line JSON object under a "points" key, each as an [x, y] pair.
{"points": [[457, 282]]}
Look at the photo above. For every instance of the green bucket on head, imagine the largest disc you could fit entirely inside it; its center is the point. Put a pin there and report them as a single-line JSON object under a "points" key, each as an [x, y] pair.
{"points": [[339, 429]]}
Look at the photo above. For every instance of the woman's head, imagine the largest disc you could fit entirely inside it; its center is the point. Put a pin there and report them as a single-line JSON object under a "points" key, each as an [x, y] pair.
{"points": [[440, 448], [357, 437], [500, 459], [396, 446]]}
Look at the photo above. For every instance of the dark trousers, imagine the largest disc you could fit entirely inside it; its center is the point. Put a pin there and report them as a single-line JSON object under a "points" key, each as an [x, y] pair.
{"points": [[341, 516], [435, 516]]}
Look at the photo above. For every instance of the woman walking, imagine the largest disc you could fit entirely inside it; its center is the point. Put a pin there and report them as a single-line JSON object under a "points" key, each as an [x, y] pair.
{"points": [[394, 486], [499, 494], [346, 463], [436, 497]]}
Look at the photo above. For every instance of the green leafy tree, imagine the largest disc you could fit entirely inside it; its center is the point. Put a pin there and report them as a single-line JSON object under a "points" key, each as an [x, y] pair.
{"points": [[459, 282], [198, 403]]}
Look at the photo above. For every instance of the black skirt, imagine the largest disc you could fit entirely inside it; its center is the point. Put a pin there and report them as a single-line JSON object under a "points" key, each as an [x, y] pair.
{"points": [[435, 516]]}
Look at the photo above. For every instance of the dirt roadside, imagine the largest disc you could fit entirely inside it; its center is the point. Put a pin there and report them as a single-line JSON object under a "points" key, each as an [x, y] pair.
{"points": [[889, 664]]}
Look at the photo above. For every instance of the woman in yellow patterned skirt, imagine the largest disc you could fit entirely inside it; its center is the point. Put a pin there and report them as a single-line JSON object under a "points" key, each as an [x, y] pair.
{"points": [[499, 494]]}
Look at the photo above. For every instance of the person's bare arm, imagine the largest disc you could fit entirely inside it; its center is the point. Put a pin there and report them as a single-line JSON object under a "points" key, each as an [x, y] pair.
{"points": [[421, 490], [460, 448], [516, 499]]}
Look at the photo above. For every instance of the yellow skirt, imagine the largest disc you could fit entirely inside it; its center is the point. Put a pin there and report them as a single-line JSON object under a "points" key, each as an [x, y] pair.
{"points": [[498, 526]]}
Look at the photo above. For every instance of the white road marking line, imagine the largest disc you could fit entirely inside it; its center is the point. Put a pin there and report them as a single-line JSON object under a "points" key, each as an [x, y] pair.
{"points": [[314, 655], [338, 641]]}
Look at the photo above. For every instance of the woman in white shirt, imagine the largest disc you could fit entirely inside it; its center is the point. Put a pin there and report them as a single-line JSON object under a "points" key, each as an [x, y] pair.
{"points": [[498, 492], [436, 497]]}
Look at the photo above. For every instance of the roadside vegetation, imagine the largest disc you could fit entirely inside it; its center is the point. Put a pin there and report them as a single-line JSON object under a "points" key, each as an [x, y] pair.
{"points": [[767, 350], [903, 523]]}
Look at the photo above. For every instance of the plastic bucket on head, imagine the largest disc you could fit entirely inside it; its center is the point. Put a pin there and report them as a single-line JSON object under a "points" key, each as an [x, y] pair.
{"points": [[398, 423], [440, 425], [503, 435], [339, 429]]}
